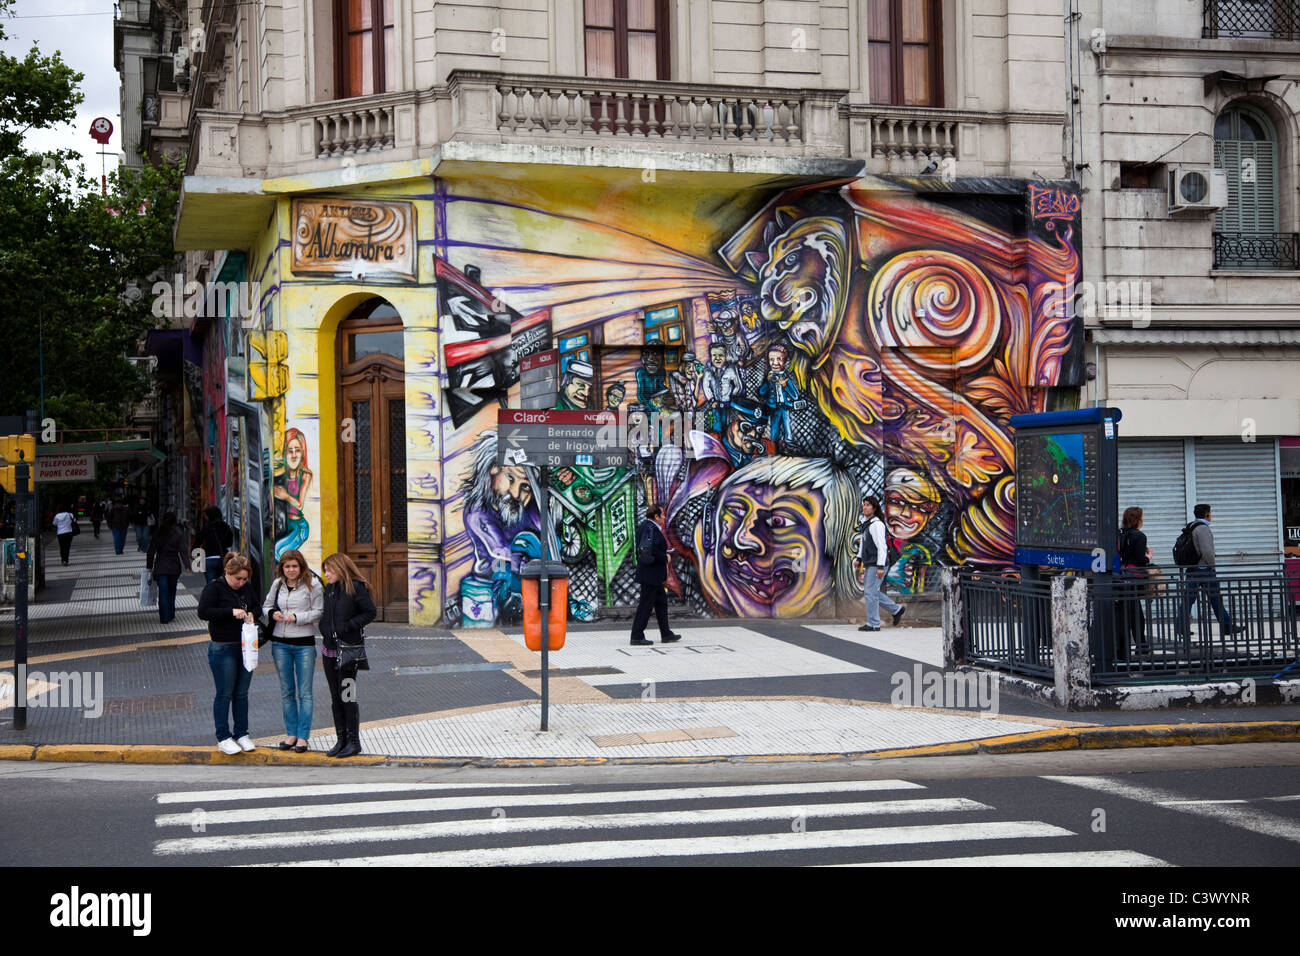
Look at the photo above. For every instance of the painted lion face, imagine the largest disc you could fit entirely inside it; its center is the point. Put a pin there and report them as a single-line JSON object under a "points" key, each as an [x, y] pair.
{"points": [[803, 285]]}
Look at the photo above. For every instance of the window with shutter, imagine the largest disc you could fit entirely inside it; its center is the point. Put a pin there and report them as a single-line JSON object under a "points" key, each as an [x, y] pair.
{"points": [[904, 53], [1246, 231]]}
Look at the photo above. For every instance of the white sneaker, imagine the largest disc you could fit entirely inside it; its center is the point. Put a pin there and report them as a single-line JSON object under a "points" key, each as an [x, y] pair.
{"points": [[228, 746], [246, 744]]}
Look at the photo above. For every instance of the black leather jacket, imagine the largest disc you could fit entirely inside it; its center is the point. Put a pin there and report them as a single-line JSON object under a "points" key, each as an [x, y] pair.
{"points": [[345, 615]]}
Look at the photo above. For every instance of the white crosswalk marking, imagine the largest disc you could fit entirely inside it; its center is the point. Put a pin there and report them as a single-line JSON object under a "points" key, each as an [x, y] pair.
{"points": [[1257, 821], [316, 811], [704, 846], [1082, 858], [842, 822], [328, 789], [458, 828]]}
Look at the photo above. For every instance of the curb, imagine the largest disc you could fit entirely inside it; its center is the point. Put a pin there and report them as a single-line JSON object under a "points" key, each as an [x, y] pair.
{"points": [[1042, 741]]}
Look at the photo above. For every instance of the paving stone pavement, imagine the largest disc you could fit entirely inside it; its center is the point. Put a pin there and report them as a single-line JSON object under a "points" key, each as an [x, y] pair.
{"points": [[729, 688]]}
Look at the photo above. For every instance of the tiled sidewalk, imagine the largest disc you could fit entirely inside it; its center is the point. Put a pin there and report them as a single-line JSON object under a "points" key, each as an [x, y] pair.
{"points": [[97, 596]]}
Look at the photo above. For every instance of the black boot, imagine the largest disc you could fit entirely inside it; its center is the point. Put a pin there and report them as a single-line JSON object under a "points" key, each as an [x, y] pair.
{"points": [[340, 729], [353, 746]]}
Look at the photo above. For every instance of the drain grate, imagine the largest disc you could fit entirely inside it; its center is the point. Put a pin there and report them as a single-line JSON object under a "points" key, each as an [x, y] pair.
{"points": [[574, 672], [453, 668]]}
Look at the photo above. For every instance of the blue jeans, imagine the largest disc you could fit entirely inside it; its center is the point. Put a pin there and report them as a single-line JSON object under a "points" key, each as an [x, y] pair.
{"points": [[211, 567], [875, 597], [296, 666], [299, 530], [232, 680], [119, 539], [142, 537], [167, 597], [1205, 579]]}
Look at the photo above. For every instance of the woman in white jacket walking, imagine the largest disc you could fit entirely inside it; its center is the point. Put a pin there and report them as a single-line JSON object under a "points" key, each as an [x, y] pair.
{"points": [[293, 605]]}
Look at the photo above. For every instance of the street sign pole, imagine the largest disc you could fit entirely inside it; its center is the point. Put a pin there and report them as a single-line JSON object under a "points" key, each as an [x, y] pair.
{"points": [[543, 587], [22, 473]]}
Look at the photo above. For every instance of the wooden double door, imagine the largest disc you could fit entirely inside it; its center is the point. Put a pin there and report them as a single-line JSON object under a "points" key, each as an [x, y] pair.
{"points": [[372, 458]]}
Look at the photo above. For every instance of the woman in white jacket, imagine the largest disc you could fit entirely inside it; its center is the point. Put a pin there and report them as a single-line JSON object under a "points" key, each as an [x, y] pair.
{"points": [[293, 605]]}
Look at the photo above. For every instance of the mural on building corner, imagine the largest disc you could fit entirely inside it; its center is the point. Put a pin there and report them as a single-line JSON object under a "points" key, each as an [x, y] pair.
{"points": [[847, 338], [291, 489]]}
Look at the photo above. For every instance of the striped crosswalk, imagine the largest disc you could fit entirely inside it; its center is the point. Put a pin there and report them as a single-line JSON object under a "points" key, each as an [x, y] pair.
{"points": [[842, 822]]}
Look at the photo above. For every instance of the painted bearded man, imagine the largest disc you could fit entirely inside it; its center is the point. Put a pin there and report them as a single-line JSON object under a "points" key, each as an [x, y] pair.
{"points": [[498, 507]]}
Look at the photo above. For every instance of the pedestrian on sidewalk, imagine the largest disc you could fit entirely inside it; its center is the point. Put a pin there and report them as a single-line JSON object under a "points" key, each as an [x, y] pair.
{"points": [[96, 516], [225, 604], [347, 609], [294, 605], [651, 573], [119, 519], [65, 526], [215, 539], [140, 518], [1202, 576], [166, 559], [873, 559], [1135, 558]]}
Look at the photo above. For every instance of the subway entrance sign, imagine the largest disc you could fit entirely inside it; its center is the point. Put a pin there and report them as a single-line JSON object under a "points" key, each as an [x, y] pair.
{"points": [[551, 439]]}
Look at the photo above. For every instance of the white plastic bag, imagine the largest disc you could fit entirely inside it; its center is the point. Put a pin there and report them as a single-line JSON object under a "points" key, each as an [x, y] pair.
{"points": [[148, 589], [248, 638]]}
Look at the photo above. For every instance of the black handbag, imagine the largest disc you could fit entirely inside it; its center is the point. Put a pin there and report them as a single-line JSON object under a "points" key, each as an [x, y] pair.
{"points": [[76, 528], [352, 655], [266, 628]]}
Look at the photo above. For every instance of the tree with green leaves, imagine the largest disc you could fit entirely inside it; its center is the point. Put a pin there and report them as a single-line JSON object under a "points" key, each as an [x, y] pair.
{"points": [[75, 263]]}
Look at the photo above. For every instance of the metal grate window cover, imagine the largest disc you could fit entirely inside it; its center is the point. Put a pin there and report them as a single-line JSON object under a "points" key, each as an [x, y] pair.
{"points": [[362, 491], [1254, 19], [397, 468], [1257, 250]]}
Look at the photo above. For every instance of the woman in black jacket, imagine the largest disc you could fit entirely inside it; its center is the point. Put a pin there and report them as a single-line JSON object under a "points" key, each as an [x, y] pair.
{"points": [[225, 604], [348, 609], [166, 559], [1135, 556]]}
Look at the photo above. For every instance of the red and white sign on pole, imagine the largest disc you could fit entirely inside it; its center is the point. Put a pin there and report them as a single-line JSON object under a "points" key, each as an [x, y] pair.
{"points": [[65, 468]]}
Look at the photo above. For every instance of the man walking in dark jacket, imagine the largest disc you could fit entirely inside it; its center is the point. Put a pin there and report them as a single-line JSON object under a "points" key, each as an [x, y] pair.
{"points": [[1202, 577], [651, 573]]}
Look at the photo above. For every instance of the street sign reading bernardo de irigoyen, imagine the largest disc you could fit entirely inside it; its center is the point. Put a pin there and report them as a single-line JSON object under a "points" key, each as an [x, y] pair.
{"points": [[554, 438]]}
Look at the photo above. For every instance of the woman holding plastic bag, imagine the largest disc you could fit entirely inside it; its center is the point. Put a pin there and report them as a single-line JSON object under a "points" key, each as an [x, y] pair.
{"points": [[348, 609], [229, 605]]}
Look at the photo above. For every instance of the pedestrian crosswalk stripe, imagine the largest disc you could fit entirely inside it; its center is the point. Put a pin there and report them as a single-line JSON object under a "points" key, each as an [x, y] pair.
{"points": [[703, 846], [330, 789], [1080, 858], [1256, 821], [316, 811], [465, 828]]}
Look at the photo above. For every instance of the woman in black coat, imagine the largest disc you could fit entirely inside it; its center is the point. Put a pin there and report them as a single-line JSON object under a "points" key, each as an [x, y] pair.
{"points": [[1135, 556], [348, 609], [225, 604], [166, 559]]}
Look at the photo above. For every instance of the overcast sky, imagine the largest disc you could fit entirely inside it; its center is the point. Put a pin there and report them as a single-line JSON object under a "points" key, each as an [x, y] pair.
{"points": [[82, 31]]}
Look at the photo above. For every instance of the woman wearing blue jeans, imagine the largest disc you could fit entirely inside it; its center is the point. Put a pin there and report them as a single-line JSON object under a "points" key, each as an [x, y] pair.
{"points": [[295, 603], [225, 604]]}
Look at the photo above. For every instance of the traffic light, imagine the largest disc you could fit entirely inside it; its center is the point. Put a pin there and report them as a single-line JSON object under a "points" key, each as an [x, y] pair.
{"points": [[11, 445], [269, 375]]}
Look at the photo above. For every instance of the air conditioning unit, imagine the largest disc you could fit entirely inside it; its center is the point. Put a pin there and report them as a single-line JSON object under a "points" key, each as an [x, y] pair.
{"points": [[1197, 188]]}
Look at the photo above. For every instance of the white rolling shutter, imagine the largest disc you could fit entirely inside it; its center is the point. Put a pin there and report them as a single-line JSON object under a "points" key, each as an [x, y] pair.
{"points": [[1239, 481], [1152, 477]]}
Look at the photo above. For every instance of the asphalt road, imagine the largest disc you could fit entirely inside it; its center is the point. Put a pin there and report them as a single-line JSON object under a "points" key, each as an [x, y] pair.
{"points": [[1221, 806]]}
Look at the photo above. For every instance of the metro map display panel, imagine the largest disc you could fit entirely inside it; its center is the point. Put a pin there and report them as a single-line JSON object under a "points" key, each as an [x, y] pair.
{"points": [[1056, 490]]}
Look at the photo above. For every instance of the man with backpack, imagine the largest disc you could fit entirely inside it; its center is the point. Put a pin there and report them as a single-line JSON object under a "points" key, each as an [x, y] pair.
{"points": [[651, 573], [1194, 550], [873, 556]]}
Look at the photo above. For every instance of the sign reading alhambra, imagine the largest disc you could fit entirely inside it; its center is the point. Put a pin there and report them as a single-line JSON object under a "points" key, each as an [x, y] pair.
{"points": [[354, 238]]}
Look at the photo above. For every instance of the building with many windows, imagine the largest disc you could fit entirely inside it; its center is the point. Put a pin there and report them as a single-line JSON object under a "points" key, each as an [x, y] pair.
{"points": [[1185, 135], [834, 238]]}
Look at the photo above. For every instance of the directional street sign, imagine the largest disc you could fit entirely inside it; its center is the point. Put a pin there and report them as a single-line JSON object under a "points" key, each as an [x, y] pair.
{"points": [[555, 438]]}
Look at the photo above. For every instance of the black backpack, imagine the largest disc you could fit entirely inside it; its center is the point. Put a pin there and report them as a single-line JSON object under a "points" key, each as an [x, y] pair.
{"points": [[1185, 550]]}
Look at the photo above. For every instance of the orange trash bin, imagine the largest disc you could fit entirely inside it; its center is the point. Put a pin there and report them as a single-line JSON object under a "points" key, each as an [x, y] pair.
{"points": [[557, 621]]}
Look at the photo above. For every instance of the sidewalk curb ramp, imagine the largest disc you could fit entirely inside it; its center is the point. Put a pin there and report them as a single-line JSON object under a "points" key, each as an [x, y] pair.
{"points": [[1043, 741]]}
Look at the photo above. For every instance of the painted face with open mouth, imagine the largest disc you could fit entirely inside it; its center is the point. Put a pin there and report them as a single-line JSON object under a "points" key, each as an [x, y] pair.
{"points": [[905, 518], [767, 555]]}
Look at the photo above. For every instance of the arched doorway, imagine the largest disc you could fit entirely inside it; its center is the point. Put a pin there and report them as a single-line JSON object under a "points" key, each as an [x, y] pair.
{"points": [[372, 451]]}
